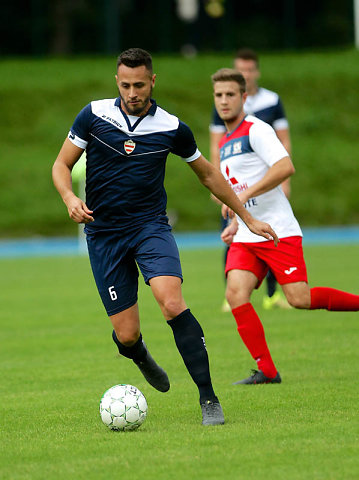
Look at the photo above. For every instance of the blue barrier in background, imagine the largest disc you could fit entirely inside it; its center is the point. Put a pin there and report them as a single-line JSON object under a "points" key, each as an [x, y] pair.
{"points": [[41, 247]]}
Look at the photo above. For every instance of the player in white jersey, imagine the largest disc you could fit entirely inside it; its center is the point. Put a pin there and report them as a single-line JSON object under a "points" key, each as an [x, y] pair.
{"points": [[267, 106], [255, 164], [245, 158]]}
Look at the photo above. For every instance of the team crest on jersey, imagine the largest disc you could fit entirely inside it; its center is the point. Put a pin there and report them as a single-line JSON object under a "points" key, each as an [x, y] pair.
{"points": [[129, 146]]}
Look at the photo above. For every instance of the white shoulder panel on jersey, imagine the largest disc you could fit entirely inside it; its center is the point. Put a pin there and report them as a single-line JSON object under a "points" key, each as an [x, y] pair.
{"points": [[267, 97], [265, 142], [107, 110], [162, 121], [262, 99]]}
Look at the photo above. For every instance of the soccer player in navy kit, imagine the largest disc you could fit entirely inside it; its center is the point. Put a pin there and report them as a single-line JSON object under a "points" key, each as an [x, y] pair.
{"points": [[267, 106], [127, 141]]}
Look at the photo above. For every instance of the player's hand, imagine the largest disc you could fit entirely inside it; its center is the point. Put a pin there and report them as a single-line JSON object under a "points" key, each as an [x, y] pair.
{"points": [[263, 229], [227, 212], [243, 197], [229, 232], [78, 211]]}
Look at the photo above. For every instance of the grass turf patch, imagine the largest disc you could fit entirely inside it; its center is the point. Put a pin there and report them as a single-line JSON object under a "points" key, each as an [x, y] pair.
{"points": [[57, 359]]}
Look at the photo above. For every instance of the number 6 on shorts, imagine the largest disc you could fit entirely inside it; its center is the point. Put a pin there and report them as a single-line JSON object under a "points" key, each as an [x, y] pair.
{"points": [[112, 293]]}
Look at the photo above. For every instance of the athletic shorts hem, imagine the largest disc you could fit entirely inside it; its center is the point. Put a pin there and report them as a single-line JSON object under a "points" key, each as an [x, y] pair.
{"points": [[287, 282], [120, 308], [165, 274], [259, 280]]}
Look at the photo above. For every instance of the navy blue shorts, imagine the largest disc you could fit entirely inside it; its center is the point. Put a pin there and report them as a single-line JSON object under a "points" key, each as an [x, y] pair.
{"points": [[114, 254]]}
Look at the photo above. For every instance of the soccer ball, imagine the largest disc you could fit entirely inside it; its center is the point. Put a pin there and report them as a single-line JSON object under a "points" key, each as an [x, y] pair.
{"points": [[123, 407]]}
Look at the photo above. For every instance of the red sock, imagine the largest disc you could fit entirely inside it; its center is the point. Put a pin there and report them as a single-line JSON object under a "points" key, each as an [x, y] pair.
{"points": [[251, 331], [334, 300]]}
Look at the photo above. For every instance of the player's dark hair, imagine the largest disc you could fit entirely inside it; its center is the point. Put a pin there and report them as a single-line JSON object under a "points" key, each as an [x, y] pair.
{"points": [[229, 75], [247, 54], [135, 57]]}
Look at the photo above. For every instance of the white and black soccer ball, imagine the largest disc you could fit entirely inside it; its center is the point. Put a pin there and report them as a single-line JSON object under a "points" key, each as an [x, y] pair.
{"points": [[123, 407]]}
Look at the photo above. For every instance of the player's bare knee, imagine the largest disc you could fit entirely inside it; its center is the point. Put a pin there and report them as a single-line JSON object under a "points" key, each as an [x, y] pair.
{"points": [[297, 301], [171, 308], [230, 294], [294, 302], [298, 297], [235, 297], [127, 338]]}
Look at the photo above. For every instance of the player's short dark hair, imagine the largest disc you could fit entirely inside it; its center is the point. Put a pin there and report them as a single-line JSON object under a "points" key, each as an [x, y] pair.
{"points": [[135, 57], [247, 54], [229, 75]]}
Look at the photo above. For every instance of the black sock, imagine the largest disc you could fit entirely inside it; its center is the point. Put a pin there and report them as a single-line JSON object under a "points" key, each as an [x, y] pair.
{"points": [[189, 338], [136, 352], [271, 284]]}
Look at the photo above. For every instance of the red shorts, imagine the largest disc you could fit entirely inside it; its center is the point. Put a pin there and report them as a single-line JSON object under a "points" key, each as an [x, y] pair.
{"points": [[286, 261]]}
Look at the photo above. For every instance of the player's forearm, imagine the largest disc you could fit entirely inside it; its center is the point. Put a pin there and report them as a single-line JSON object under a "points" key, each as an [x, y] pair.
{"points": [[286, 187], [216, 183], [61, 171], [214, 158], [78, 210], [61, 175], [277, 174], [214, 149]]}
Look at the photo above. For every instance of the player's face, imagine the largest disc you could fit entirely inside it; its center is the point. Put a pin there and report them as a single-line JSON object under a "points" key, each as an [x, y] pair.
{"points": [[135, 87], [250, 72], [228, 100]]}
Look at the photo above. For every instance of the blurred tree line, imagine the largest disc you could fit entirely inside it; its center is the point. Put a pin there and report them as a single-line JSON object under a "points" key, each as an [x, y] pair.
{"points": [[63, 27]]}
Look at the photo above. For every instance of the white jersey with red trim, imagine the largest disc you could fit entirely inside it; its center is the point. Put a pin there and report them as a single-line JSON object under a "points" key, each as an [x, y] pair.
{"points": [[246, 155]]}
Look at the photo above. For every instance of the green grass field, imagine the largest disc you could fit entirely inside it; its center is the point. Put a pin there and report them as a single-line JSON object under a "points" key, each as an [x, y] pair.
{"points": [[57, 358]]}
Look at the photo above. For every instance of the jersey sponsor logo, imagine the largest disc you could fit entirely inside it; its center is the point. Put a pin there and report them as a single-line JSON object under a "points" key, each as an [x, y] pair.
{"points": [[129, 146], [290, 270], [109, 119], [227, 150], [237, 187], [237, 147], [233, 180]]}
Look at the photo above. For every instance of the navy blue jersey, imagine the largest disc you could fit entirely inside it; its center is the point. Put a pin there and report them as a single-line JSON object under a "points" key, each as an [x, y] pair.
{"points": [[126, 157], [265, 105]]}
